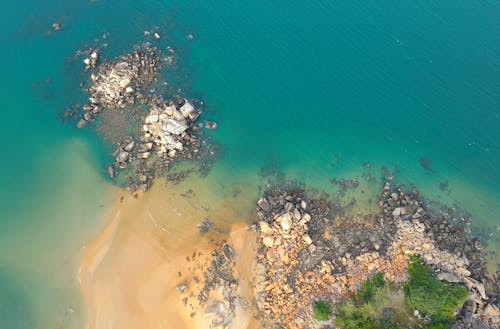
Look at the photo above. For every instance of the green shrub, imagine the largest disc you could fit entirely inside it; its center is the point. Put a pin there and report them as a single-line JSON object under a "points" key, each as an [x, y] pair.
{"points": [[365, 309], [322, 311], [428, 295], [440, 325], [370, 287], [381, 305], [349, 316]]}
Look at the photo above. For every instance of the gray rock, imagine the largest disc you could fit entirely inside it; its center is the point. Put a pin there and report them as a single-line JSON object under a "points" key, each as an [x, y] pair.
{"points": [[399, 211], [296, 214], [175, 127], [178, 116], [285, 221], [211, 125], [122, 156], [264, 204], [81, 123], [205, 225], [145, 155], [152, 118], [170, 110], [187, 109], [491, 311], [169, 140], [130, 146], [450, 277]]}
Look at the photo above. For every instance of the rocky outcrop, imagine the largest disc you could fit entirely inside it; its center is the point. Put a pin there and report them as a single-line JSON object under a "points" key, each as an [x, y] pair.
{"points": [[121, 82], [167, 133], [285, 288], [218, 295], [149, 132], [309, 253], [165, 130], [445, 243]]}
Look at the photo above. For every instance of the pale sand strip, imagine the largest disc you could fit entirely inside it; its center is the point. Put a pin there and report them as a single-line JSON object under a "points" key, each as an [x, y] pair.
{"points": [[128, 274]]}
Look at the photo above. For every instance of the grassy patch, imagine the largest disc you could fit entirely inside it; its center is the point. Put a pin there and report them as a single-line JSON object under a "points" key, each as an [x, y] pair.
{"points": [[322, 311], [380, 305], [431, 297], [376, 305]]}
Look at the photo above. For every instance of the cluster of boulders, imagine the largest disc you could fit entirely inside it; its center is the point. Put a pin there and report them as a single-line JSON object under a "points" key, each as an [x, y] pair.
{"points": [[127, 150], [308, 253], [121, 82], [284, 289], [445, 244], [123, 153], [219, 280], [166, 127], [151, 140], [218, 295], [168, 132]]}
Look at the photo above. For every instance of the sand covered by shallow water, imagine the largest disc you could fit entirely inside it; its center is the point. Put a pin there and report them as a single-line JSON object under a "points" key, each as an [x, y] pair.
{"points": [[129, 273]]}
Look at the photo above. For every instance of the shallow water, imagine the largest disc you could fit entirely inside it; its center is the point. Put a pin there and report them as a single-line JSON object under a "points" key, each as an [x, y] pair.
{"points": [[312, 90]]}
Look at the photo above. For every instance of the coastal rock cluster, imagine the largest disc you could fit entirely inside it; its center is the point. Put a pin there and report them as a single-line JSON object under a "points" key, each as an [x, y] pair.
{"points": [[167, 133], [216, 296], [285, 288], [219, 280], [118, 83], [308, 253], [454, 254], [148, 130], [166, 129]]}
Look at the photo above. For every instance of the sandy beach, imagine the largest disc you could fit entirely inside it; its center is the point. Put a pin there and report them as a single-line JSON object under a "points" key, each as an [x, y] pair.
{"points": [[129, 273]]}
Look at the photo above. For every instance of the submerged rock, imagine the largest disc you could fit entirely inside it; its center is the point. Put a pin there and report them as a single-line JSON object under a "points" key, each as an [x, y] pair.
{"points": [[205, 226]]}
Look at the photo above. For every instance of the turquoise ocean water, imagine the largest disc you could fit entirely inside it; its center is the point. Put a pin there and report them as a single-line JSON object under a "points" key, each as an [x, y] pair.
{"points": [[313, 89]]}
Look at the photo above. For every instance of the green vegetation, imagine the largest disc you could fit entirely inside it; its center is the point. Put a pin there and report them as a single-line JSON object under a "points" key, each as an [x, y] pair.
{"points": [[440, 325], [431, 297], [322, 311], [380, 305], [370, 287], [376, 305]]}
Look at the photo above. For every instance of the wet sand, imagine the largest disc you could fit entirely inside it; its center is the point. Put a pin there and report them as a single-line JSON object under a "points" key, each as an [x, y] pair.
{"points": [[129, 273]]}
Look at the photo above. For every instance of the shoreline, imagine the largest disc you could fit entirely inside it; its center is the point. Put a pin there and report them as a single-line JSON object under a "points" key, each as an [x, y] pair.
{"points": [[194, 261], [130, 273]]}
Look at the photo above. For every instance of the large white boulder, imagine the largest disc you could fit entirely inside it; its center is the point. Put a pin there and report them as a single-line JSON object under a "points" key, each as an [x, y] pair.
{"points": [[169, 110], [187, 109], [152, 118], [175, 127]]}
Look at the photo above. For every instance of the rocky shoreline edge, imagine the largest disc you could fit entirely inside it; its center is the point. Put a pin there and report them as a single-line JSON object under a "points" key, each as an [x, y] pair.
{"points": [[307, 253]]}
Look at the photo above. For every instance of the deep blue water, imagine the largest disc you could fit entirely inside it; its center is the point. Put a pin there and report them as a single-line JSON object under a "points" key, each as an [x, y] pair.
{"points": [[313, 88]]}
